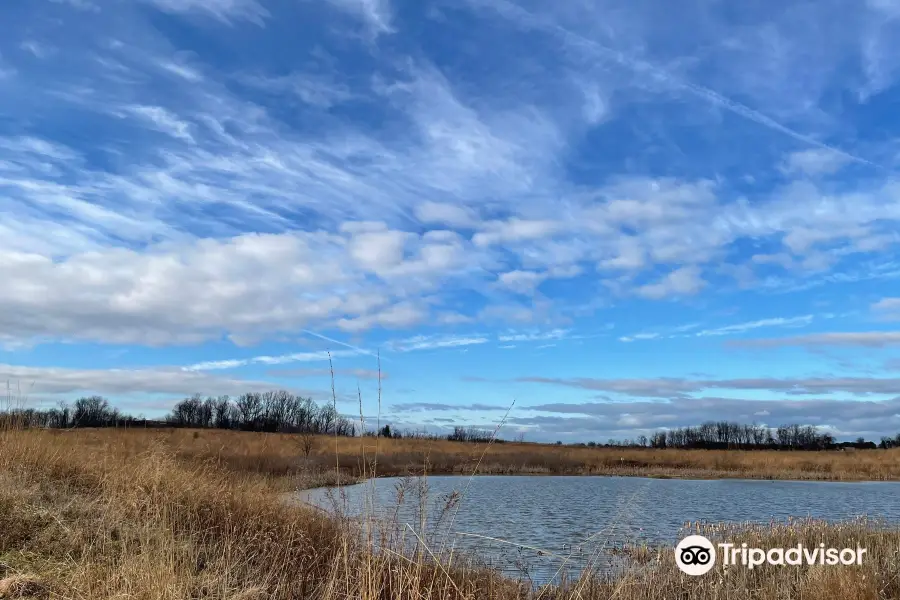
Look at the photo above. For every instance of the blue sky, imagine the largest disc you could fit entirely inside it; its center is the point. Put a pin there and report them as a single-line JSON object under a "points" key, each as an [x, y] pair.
{"points": [[622, 216]]}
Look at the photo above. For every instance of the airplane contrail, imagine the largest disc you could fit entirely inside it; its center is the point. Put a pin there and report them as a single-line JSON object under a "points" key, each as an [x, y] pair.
{"points": [[340, 343]]}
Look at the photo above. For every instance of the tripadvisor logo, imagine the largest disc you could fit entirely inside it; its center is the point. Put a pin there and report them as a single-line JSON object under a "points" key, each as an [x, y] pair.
{"points": [[696, 555]]}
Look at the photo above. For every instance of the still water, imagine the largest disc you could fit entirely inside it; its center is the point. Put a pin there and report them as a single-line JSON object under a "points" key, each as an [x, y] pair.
{"points": [[542, 520]]}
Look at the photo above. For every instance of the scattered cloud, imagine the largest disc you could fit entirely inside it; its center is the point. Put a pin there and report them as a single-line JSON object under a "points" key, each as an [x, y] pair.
{"points": [[534, 336], [445, 213], [815, 162], [799, 321], [436, 406], [514, 230], [374, 13], [689, 330], [318, 91], [40, 381], [639, 336], [673, 387], [846, 418], [325, 372], [521, 282], [685, 281], [162, 120], [887, 308], [422, 342], [871, 339], [84, 5], [226, 11], [37, 49], [322, 356]]}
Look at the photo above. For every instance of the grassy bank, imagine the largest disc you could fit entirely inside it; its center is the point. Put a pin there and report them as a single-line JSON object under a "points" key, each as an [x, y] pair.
{"points": [[280, 455], [107, 514]]}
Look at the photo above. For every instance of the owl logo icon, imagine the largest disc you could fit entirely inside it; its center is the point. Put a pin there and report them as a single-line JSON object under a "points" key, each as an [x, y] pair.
{"points": [[695, 555]]}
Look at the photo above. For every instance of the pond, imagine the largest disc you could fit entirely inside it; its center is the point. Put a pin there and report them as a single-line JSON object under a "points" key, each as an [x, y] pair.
{"points": [[529, 526]]}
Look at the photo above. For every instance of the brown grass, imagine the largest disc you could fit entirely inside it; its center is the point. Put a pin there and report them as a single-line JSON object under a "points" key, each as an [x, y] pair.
{"points": [[167, 515], [281, 454]]}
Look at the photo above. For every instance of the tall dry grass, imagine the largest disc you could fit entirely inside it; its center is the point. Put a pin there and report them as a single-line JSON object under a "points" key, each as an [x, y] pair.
{"points": [[276, 455], [111, 520], [105, 514]]}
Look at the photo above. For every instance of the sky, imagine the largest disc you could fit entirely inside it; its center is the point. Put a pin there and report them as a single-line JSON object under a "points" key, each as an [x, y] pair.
{"points": [[581, 219]]}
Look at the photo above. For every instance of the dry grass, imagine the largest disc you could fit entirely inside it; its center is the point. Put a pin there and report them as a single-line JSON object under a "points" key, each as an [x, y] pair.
{"points": [[277, 455], [167, 515]]}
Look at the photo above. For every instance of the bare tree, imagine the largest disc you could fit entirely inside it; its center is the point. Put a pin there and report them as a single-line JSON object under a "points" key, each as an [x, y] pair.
{"points": [[307, 443]]}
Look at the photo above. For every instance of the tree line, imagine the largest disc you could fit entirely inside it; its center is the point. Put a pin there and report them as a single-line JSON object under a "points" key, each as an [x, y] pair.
{"points": [[281, 411], [273, 411], [92, 411], [728, 435]]}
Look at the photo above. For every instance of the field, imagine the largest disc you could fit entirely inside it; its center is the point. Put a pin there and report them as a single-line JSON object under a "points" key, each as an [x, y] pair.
{"points": [[98, 514], [282, 455]]}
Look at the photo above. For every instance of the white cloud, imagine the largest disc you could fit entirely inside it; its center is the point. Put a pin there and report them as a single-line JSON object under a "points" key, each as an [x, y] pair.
{"points": [[534, 336], [629, 255], [639, 336], [378, 250], [782, 259], [37, 49], [887, 308], [685, 281], [183, 71], [673, 388], [84, 5], [444, 213], [887, 304], [514, 230], [595, 107], [736, 328], [399, 316], [161, 380], [223, 10], [871, 339], [162, 120], [521, 282], [322, 356], [423, 342], [315, 90], [750, 325], [192, 291], [375, 14], [451, 318], [880, 65], [814, 162], [326, 372]]}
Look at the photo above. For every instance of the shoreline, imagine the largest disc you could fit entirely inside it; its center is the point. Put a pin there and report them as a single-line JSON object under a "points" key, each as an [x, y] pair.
{"points": [[693, 476]]}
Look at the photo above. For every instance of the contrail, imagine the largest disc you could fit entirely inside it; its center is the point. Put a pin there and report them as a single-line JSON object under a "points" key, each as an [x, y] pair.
{"points": [[339, 343], [507, 9]]}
